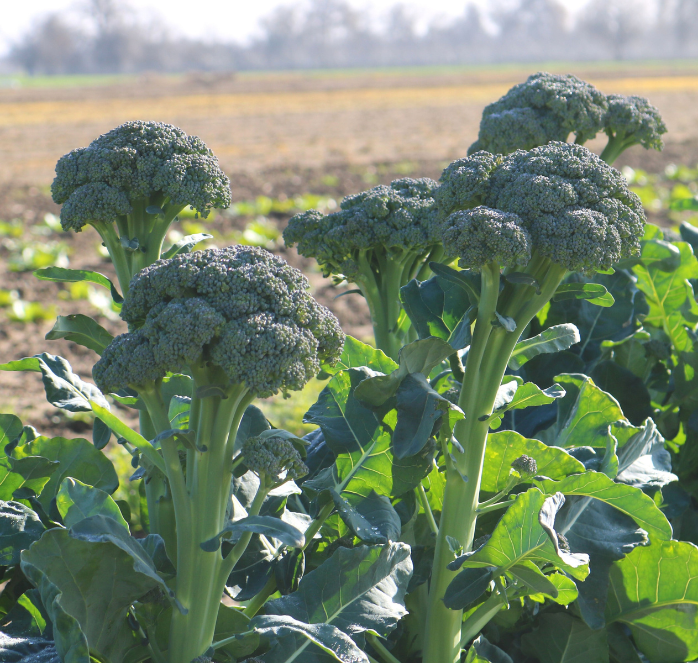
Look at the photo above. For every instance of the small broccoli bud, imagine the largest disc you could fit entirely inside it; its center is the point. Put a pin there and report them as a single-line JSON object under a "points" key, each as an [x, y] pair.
{"points": [[635, 120], [273, 455], [657, 349], [465, 182], [547, 107], [452, 395], [562, 542], [483, 235], [134, 162], [525, 466], [241, 309]]}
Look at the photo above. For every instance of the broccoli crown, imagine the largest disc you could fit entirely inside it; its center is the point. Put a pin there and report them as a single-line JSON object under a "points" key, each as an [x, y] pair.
{"points": [[525, 466], [635, 118], [131, 163], [482, 235], [273, 455], [240, 308], [577, 210], [395, 218], [547, 107]]}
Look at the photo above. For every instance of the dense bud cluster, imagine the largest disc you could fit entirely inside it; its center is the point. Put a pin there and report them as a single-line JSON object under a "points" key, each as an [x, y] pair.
{"points": [[241, 309], [636, 120], [525, 466], [273, 456]]}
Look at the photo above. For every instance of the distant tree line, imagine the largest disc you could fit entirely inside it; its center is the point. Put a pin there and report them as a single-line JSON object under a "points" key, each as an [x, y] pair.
{"points": [[331, 33]]}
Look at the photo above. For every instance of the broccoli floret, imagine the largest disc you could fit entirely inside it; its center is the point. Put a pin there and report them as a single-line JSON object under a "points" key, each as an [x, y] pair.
{"points": [[562, 543], [138, 176], [240, 309], [577, 210], [481, 235], [525, 466], [273, 455], [379, 239], [631, 121], [547, 107]]}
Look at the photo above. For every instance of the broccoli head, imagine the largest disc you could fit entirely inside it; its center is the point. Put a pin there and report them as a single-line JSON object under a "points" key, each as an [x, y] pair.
{"points": [[392, 219], [483, 235], [525, 466], [240, 310], [135, 162], [547, 107], [576, 209], [273, 455]]}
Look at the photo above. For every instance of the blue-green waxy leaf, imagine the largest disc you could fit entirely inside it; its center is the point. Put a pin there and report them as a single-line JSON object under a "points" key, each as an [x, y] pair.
{"points": [[290, 637], [468, 586], [230, 622], [358, 589], [486, 652], [76, 579], [62, 275], [419, 408], [30, 649], [504, 321], [418, 357], [357, 354], [643, 461], [253, 423], [185, 245], [504, 447], [628, 500], [267, 525], [63, 388], [467, 280], [594, 293], [654, 593], [75, 458], [526, 533], [373, 519], [82, 330], [553, 339], [101, 434], [19, 528], [561, 638], [76, 501]]}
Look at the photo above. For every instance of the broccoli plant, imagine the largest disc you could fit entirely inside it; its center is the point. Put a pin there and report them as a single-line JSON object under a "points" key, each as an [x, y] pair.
{"points": [[129, 185], [551, 107], [380, 240]]}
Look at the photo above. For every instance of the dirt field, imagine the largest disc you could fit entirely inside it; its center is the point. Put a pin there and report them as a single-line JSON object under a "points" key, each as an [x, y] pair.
{"points": [[276, 135]]}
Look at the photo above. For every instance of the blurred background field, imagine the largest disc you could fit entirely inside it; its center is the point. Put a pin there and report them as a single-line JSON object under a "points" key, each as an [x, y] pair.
{"points": [[290, 139]]}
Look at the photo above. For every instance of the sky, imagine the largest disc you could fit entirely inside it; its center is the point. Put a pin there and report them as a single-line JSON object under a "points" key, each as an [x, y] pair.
{"points": [[221, 19]]}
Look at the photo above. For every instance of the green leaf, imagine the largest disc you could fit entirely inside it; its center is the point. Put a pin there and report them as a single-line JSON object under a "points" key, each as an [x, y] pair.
{"points": [[101, 434], [356, 354], [267, 525], [643, 461], [185, 245], [594, 293], [230, 622], [19, 528], [62, 275], [468, 586], [10, 429], [525, 532], [289, 637], [76, 501], [373, 520], [417, 357], [29, 649], [667, 292], [82, 330], [654, 593], [76, 579], [531, 576], [566, 590], [628, 500], [553, 339], [77, 458], [29, 473], [468, 281], [356, 589], [506, 446], [517, 397], [486, 652], [560, 638]]}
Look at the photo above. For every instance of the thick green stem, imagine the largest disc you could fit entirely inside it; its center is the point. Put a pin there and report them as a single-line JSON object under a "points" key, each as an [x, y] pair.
{"points": [[116, 252], [380, 648], [614, 148], [481, 617]]}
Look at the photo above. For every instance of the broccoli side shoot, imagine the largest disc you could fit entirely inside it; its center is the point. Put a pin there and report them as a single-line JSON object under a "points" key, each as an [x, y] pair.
{"points": [[137, 177], [547, 107], [235, 316], [379, 239], [273, 456], [631, 121]]}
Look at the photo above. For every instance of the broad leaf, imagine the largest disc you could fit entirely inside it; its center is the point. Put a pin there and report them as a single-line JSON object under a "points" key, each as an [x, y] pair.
{"points": [[594, 293], [468, 586], [76, 501], [82, 330], [267, 525], [553, 339], [654, 592], [566, 590], [230, 622], [62, 275], [19, 528], [560, 638], [356, 354], [373, 520]]}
